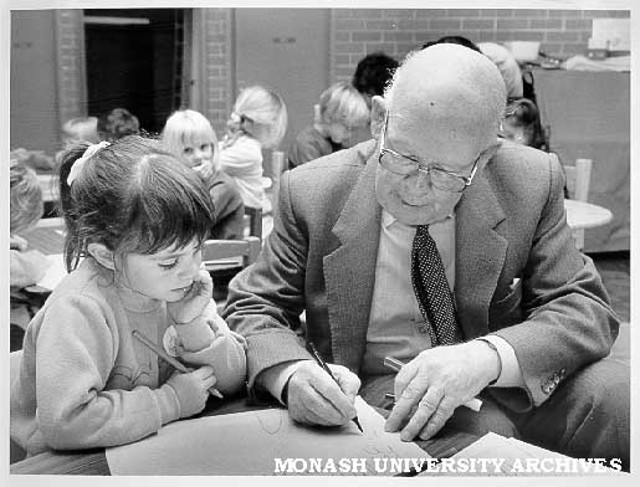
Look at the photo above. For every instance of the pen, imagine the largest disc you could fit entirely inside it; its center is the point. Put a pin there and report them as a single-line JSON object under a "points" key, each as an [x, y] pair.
{"points": [[322, 364], [395, 365], [180, 367]]}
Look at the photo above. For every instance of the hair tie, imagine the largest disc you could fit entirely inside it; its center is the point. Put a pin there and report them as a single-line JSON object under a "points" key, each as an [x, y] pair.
{"points": [[79, 163]]}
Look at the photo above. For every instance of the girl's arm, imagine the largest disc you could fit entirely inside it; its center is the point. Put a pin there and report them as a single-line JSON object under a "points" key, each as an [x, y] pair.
{"points": [[224, 350], [241, 159], [205, 339], [77, 344]]}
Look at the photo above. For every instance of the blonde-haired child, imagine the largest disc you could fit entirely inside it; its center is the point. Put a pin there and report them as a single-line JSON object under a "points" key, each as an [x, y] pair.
{"points": [[342, 112], [136, 220], [189, 135], [258, 120], [27, 266]]}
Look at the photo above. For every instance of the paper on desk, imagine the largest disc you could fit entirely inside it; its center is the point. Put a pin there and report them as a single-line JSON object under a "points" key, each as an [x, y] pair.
{"points": [[248, 444]]}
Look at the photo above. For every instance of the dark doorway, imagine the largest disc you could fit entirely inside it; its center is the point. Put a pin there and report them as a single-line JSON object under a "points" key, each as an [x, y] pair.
{"points": [[134, 61]]}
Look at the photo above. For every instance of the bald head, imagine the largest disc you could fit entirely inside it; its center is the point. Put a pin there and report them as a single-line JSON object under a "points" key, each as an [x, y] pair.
{"points": [[450, 89]]}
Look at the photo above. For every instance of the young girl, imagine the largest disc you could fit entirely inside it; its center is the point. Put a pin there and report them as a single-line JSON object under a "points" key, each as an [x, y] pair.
{"points": [[189, 135], [135, 222], [258, 120], [343, 111]]}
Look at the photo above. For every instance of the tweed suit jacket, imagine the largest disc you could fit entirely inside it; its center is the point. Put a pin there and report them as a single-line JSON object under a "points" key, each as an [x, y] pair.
{"points": [[518, 273]]}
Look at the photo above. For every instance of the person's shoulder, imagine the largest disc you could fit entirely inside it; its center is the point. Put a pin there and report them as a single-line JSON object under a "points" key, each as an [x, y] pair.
{"points": [[519, 162]]}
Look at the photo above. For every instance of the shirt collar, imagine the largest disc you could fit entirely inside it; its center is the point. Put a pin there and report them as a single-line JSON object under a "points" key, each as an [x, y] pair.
{"points": [[388, 219]]}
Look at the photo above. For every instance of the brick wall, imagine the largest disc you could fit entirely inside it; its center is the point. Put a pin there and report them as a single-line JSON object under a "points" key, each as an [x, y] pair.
{"points": [[71, 83], [217, 92], [357, 32]]}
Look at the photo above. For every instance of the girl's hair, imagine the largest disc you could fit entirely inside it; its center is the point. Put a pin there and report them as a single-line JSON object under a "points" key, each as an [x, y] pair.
{"points": [[524, 114], [261, 114], [342, 103], [183, 127], [26, 206], [130, 196]]}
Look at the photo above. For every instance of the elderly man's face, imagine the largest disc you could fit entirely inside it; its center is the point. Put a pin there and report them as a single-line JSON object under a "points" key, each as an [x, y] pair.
{"points": [[417, 198]]}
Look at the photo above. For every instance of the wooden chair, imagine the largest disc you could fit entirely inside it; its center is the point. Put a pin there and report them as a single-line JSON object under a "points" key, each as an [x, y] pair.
{"points": [[578, 180], [217, 254], [254, 217], [278, 166], [225, 258]]}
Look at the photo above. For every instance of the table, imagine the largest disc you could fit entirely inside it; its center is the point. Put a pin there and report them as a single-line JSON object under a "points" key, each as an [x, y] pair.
{"points": [[94, 462], [583, 215]]}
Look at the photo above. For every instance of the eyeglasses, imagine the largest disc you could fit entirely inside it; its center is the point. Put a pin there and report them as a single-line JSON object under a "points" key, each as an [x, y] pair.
{"points": [[404, 165]]}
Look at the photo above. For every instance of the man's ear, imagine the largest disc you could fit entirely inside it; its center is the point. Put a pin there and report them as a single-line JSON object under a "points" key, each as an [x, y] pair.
{"points": [[378, 113], [102, 254]]}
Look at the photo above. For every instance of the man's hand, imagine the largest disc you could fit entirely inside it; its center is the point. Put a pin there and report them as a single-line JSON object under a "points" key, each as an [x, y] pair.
{"points": [[430, 387], [314, 398]]}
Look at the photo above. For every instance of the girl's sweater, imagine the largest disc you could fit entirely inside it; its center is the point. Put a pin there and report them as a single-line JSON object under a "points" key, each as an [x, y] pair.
{"points": [[85, 382]]}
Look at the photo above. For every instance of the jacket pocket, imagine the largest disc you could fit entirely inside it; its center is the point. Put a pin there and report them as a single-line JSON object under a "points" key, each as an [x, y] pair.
{"points": [[507, 310]]}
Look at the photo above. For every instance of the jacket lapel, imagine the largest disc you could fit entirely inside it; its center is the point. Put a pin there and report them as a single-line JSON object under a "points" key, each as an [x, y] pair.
{"points": [[480, 255], [350, 270]]}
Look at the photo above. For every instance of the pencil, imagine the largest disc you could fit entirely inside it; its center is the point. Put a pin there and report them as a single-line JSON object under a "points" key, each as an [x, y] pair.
{"points": [[179, 366], [324, 366], [395, 365]]}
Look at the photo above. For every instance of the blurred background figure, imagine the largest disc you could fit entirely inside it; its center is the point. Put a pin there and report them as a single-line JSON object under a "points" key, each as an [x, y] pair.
{"points": [[508, 66], [258, 121], [522, 124], [189, 135], [37, 160], [373, 73], [342, 111], [26, 266], [463, 41], [81, 128], [116, 124]]}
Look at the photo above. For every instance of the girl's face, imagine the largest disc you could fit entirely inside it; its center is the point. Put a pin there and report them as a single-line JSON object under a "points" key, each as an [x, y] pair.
{"points": [[198, 151], [166, 275], [341, 133]]}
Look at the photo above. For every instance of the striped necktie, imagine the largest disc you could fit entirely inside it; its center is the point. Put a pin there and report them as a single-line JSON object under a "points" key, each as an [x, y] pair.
{"points": [[432, 290]]}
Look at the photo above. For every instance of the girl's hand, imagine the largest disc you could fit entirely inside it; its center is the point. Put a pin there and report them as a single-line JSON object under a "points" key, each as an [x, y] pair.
{"points": [[205, 170], [195, 300]]}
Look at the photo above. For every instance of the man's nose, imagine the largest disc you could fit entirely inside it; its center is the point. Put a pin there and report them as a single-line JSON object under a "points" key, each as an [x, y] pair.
{"points": [[421, 182]]}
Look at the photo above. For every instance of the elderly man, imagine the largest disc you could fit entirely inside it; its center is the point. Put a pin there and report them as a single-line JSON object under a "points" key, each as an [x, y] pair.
{"points": [[438, 245]]}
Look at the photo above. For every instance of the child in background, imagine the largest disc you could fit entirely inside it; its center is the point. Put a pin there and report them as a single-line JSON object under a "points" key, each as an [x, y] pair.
{"points": [[136, 219], [342, 112], [26, 266], [522, 124], [258, 121], [189, 135], [116, 124], [81, 128]]}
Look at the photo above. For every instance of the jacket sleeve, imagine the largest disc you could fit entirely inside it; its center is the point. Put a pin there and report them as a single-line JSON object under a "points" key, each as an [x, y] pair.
{"points": [[266, 299], [568, 321]]}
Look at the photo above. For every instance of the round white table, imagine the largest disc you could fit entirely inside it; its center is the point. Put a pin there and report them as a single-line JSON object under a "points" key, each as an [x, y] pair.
{"points": [[582, 215]]}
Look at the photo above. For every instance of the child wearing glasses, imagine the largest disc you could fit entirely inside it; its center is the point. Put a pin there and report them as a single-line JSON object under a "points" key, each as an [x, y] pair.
{"points": [[342, 111]]}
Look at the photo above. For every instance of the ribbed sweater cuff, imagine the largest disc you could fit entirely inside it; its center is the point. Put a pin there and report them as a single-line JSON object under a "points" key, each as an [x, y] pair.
{"points": [[169, 403]]}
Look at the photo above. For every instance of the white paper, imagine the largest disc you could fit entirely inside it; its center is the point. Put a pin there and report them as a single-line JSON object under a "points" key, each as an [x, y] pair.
{"points": [[249, 443]]}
